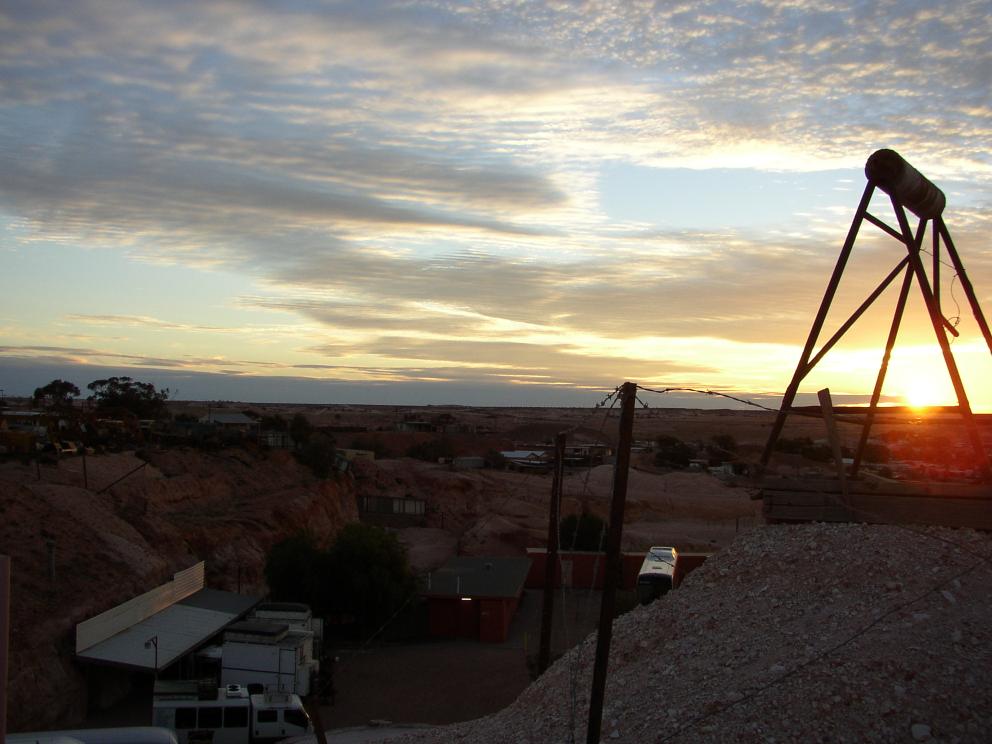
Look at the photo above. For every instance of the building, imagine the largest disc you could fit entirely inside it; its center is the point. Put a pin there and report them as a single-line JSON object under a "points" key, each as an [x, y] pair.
{"points": [[581, 569], [533, 460], [475, 597], [157, 631], [231, 422]]}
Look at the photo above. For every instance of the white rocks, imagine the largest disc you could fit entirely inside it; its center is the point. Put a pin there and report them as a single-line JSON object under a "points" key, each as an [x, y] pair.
{"points": [[920, 732]]}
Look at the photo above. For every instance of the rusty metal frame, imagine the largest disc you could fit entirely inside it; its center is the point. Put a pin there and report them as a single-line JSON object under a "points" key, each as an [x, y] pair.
{"points": [[912, 267]]}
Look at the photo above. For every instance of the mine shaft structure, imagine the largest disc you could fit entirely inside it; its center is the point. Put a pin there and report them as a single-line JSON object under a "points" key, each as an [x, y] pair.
{"points": [[909, 192]]}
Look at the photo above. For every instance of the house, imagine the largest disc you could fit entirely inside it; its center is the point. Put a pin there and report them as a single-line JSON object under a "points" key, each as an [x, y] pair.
{"points": [[230, 421], [421, 426], [475, 597], [587, 455], [527, 459]]}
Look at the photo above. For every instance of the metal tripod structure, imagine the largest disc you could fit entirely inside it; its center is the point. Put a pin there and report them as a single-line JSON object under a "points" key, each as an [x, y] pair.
{"points": [[908, 190]]}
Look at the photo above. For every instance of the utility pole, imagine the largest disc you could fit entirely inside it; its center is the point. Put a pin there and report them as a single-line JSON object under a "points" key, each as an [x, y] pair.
{"points": [[548, 608], [4, 640], [614, 563]]}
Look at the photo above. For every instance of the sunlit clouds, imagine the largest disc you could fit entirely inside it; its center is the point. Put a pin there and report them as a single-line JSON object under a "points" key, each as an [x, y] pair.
{"points": [[492, 196]]}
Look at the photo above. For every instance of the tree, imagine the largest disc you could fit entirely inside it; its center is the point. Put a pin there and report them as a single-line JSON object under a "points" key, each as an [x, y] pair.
{"points": [[318, 454], [364, 574], [370, 575], [672, 452], [300, 430], [56, 394], [123, 393]]}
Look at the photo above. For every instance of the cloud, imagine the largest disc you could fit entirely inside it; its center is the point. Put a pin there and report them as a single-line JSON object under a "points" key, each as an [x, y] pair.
{"points": [[419, 182]]}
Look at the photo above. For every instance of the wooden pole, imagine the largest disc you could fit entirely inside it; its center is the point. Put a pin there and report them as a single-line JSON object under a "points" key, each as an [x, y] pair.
{"points": [[318, 723], [827, 407], [4, 640], [614, 563], [548, 607]]}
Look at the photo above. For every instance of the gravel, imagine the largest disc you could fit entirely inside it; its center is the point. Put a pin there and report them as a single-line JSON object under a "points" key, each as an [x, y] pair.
{"points": [[805, 633]]}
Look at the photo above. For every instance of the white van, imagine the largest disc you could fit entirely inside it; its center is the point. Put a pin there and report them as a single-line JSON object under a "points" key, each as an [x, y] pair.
{"points": [[655, 576]]}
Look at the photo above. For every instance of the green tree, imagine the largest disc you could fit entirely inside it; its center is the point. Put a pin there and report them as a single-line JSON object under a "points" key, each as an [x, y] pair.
{"points": [[300, 430], [364, 574], [123, 393], [318, 454], [672, 452], [56, 394], [370, 575]]}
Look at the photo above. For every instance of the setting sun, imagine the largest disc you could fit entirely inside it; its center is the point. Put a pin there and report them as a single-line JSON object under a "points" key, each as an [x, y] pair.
{"points": [[921, 395]]}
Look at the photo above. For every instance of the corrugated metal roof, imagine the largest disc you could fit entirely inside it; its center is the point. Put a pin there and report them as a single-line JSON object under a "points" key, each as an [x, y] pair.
{"points": [[468, 576], [221, 601], [178, 629]]}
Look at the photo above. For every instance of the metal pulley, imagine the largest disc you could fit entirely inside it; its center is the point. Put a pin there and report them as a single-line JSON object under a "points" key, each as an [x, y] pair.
{"points": [[897, 178]]}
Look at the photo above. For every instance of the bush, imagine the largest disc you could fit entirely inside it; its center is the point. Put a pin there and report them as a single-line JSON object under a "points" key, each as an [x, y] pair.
{"points": [[672, 452]]}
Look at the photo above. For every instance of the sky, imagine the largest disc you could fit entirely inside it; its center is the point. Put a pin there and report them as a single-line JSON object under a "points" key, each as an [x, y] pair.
{"points": [[495, 203]]}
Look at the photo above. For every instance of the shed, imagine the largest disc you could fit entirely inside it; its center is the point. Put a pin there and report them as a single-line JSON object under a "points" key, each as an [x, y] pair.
{"points": [[475, 597], [154, 631]]}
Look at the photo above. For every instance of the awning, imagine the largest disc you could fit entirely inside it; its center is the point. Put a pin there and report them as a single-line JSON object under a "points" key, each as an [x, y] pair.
{"points": [[175, 631]]}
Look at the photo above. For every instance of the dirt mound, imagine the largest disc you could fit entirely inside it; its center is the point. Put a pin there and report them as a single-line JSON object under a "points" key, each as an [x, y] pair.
{"points": [[811, 633]]}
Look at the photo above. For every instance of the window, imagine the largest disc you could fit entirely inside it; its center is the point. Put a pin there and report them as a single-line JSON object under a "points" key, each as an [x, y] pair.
{"points": [[185, 718], [236, 717], [267, 716], [296, 717], [210, 717]]}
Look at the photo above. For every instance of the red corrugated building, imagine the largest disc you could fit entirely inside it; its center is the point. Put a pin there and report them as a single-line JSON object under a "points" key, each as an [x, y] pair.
{"points": [[472, 597], [581, 569]]}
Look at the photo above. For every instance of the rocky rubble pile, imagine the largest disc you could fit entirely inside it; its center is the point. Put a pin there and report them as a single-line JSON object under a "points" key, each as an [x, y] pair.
{"points": [[807, 633]]}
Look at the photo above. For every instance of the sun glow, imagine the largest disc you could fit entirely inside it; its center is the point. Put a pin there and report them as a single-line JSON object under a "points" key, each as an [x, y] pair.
{"points": [[921, 394]]}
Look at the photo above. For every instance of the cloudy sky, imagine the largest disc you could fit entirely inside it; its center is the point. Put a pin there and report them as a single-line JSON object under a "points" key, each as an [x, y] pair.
{"points": [[497, 202]]}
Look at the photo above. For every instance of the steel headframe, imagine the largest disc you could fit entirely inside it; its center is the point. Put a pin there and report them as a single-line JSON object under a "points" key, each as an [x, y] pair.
{"points": [[909, 190]]}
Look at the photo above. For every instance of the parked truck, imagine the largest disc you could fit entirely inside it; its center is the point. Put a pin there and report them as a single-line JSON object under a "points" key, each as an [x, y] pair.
{"points": [[227, 715], [122, 735]]}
